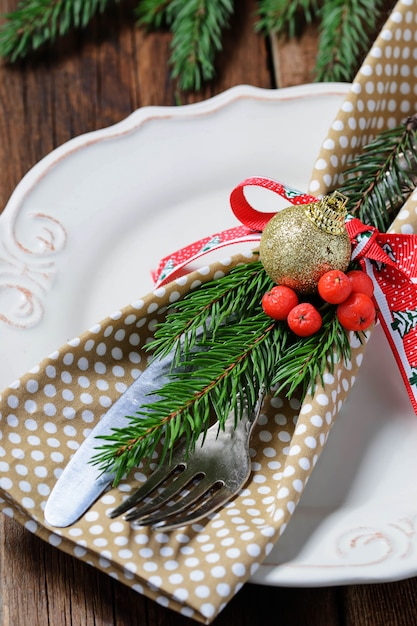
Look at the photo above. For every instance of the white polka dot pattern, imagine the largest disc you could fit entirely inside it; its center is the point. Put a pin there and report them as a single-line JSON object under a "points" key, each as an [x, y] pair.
{"points": [[382, 96], [47, 413], [196, 570]]}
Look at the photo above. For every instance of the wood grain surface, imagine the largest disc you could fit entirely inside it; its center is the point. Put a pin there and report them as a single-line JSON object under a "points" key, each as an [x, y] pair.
{"points": [[90, 80]]}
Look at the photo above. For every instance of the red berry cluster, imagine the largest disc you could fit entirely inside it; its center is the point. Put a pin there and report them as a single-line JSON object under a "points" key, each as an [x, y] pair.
{"points": [[351, 292]]}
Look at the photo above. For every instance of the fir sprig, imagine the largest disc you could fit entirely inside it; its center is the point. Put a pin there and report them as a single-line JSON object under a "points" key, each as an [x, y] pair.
{"points": [[210, 384], [381, 177], [212, 372], [153, 13], [197, 27], [304, 363], [347, 29], [36, 22], [209, 308], [226, 347], [286, 17], [239, 351]]}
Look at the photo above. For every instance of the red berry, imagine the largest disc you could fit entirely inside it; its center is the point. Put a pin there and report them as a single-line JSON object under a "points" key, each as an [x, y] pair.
{"points": [[334, 286], [357, 312], [278, 302], [361, 282], [304, 319]]}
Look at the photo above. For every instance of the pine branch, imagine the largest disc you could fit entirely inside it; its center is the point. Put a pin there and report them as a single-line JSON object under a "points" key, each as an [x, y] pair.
{"points": [[305, 362], [285, 17], [379, 179], [197, 27], [209, 308], [211, 379], [36, 22], [226, 348], [243, 350], [346, 32], [153, 13]]}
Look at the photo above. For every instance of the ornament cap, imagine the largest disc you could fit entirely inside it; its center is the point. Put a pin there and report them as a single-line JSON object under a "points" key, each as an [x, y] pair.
{"points": [[329, 213]]}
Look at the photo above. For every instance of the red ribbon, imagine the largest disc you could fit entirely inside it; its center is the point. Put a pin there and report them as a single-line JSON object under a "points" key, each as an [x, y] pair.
{"points": [[389, 259], [391, 262], [252, 224]]}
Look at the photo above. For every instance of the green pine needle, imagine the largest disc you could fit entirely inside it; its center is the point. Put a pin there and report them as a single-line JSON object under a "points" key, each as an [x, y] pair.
{"points": [[210, 307], [304, 363], [347, 28], [153, 13], [240, 349], [379, 179], [197, 27], [213, 380], [36, 22], [285, 17]]}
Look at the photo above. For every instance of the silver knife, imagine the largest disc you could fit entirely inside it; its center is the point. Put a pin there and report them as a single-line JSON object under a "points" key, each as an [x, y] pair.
{"points": [[81, 482]]}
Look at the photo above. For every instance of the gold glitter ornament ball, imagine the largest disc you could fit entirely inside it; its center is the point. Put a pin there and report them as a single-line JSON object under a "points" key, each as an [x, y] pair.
{"points": [[303, 242]]}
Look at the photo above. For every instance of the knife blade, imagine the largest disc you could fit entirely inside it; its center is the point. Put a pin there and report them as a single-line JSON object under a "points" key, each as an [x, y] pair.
{"points": [[81, 482]]}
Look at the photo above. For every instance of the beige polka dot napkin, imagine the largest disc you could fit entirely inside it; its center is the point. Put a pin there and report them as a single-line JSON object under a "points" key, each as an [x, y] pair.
{"points": [[47, 413], [195, 570], [383, 95]]}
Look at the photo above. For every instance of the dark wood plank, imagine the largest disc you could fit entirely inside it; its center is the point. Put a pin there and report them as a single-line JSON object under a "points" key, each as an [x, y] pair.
{"points": [[373, 605], [90, 80], [294, 60], [95, 78], [87, 81]]}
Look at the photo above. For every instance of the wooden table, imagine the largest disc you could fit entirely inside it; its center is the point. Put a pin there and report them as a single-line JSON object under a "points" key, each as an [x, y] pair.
{"points": [[88, 81]]}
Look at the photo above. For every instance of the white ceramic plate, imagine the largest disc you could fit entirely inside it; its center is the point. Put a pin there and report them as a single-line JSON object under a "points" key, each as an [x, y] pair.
{"points": [[82, 232]]}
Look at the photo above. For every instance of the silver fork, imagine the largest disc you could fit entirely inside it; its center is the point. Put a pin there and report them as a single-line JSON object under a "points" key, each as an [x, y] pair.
{"points": [[184, 490]]}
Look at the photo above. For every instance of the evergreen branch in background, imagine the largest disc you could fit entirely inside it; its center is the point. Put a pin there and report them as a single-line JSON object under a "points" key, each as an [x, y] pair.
{"points": [[36, 22], [197, 27], [153, 13], [379, 180], [345, 27], [285, 17]]}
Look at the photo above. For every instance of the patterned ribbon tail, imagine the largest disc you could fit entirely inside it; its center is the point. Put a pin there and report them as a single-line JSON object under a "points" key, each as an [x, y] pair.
{"points": [[250, 230], [390, 260]]}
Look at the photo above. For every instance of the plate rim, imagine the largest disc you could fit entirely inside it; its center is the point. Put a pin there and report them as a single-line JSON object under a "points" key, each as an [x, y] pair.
{"points": [[132, 123], [137, 118]]}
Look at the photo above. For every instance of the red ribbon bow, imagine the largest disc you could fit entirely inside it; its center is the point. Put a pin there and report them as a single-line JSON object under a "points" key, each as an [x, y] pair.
{"points": [[391, 262], [389, 259]]}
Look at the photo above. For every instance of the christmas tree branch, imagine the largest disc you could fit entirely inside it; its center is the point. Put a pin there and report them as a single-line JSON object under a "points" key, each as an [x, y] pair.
{"points": [[346, 28], [197, 27], [153, 13], [209, 308], [305, 362], [36, 22], [211, 381], [285, 17], [227, 348], [380, 178]]}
